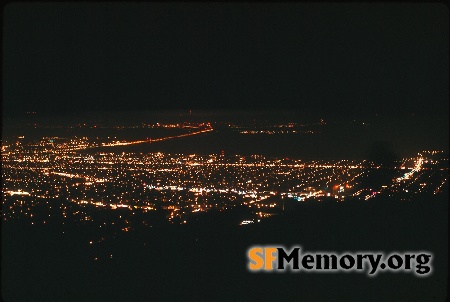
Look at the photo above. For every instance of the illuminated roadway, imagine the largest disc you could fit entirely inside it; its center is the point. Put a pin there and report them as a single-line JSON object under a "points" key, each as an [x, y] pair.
{"points": [[208, 129]]}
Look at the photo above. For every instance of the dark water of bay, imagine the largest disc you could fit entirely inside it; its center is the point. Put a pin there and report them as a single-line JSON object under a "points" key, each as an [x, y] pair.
{"points": [[341, 137]]}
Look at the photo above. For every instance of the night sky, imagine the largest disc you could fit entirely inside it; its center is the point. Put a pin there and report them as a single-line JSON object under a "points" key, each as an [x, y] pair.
{"points": [[357, 58]]}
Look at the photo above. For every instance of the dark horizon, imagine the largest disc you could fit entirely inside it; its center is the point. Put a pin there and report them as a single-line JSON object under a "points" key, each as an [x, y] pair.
{"points": [[442, 114], [345, 59]]}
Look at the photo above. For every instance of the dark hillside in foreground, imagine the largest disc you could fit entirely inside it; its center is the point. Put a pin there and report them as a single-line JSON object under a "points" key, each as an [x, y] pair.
{"points": [[207, 261]]}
